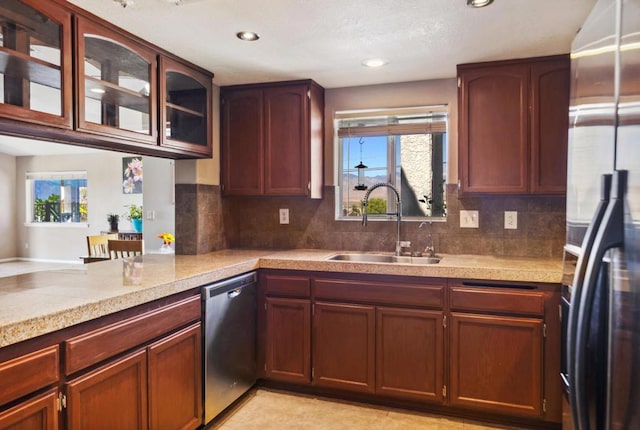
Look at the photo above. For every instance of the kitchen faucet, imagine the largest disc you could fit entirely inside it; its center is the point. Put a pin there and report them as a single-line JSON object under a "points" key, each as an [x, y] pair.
{"points": [[398, 213], [430, 249]]}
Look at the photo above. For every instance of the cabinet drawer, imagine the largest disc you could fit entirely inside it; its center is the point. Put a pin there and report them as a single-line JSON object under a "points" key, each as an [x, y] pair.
{"points": [[497, 300], [284, 285], [26, 374], [380, 293], [90, 348]]}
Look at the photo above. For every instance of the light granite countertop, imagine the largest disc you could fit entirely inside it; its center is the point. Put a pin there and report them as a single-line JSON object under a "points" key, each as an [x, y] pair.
{"points": [[37, 303]]}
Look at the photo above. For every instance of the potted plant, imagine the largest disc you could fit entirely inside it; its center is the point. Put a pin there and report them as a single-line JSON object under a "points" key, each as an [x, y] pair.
{"points": [[113, 221], [135, 216]]}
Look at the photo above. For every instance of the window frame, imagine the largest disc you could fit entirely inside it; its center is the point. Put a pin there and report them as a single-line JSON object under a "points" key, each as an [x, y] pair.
{"points": [[393, 132], [31, 177]]}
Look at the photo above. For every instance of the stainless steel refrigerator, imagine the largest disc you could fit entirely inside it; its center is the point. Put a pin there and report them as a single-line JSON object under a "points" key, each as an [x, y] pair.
{"points": [[601, 359]]}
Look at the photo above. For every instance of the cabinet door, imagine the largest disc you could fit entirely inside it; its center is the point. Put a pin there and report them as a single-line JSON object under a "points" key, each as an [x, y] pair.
{"points": [[496, 363], [344, 346], [39, 413], [549, 125], [242, 137], [288, 340], [35, 62], [493, 129], [116, 84], [111, 397], [286, 142], [175, 380], [409, 354], [185, 100]]}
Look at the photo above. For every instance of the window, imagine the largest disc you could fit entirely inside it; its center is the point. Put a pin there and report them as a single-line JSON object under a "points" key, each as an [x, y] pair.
{"points": [[57, 197], [404, 147]]}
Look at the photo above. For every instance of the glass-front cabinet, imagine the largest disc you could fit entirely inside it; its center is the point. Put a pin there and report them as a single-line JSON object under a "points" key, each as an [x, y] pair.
{"points": [[116, 84], [35, 62], [185, 103]]}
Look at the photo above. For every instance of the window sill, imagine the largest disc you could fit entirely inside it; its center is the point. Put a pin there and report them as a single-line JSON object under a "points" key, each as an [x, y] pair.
{"points": [[57, 224]]}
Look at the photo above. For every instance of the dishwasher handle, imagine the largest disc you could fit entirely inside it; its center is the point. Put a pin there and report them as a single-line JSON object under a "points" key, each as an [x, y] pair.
{"points": [[234, 293]]}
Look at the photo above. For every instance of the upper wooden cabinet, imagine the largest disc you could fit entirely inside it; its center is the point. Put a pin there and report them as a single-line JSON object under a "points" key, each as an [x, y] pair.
{"points": [[185, 107], [513, 122], [35, 63], [116, 84], [61, 66], [272, 139]]}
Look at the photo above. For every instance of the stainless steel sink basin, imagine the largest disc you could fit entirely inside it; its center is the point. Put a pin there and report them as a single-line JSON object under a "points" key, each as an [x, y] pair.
{"points": [[382, 258]]}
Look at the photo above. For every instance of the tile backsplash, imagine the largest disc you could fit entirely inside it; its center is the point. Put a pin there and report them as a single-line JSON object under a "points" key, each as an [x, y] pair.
{"points": [[210, 222]]}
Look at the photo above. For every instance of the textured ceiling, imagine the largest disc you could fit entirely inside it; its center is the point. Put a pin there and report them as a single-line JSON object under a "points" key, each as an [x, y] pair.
{"points": [[327, 40]]}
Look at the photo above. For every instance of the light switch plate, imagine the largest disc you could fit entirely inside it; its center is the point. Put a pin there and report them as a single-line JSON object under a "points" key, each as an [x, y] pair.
{"points": [[284, 216], [511, 220], [469, 219]]}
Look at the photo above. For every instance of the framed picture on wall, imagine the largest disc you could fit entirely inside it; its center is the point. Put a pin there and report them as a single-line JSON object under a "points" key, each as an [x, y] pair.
{"points": [[132, 175]]}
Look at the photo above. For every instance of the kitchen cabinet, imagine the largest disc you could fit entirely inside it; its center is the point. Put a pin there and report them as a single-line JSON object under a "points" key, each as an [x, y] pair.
{"points": [[344, 346], [286, 327], [37, 413], [112, 396], [159, 382], [35, 63], [69, 76], [24, 377], [175, 380], [272, 139], [497, 349], [185, 108], [379, 335], [410, 353], [115, 84], [513, 125], [466, 346]]}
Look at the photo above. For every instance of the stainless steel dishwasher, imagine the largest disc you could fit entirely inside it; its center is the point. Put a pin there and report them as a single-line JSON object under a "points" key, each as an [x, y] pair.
{"points": [[229, 341]]}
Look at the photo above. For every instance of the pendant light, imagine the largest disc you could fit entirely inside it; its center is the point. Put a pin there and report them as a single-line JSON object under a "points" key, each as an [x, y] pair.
{"points": [[361, 186]]}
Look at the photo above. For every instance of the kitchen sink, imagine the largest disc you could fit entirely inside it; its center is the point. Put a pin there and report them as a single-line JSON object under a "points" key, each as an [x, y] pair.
{"points": [[383, 258]]}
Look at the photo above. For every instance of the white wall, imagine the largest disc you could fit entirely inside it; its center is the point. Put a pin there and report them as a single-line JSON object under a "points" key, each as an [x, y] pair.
{"points": [[7, 206], [68, 243], [159, 201]]}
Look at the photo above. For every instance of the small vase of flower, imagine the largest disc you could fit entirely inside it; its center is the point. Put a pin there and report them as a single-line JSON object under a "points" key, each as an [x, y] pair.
{"points": [[167, 240]]}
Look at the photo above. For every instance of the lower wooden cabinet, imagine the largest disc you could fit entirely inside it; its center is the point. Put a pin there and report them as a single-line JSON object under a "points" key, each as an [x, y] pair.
{"points": [[288, 339], [496, 363], [112, 396], [473, 346], [38, 413], [410, 353], [344, 346], [166, 376], [175, 380]]}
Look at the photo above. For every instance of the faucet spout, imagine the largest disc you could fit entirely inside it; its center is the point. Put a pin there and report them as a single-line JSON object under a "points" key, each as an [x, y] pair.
{"points": [[398, 213], [430, 249]]}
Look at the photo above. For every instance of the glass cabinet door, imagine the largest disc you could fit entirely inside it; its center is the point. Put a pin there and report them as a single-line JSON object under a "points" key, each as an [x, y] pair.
{"points": [[185, 107], [35, 62], [116, 79]]}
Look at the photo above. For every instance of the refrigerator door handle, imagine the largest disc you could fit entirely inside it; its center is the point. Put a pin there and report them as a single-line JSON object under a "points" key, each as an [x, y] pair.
{"points": [[610, 235], [578, 278]]}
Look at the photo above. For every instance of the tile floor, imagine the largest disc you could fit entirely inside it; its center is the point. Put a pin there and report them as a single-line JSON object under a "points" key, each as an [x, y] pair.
{"points": [[270, 410], [19, 267]]}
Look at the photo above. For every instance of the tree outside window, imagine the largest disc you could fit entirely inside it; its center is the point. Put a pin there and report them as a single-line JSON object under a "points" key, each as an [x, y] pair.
{"points": [[57, 197]]}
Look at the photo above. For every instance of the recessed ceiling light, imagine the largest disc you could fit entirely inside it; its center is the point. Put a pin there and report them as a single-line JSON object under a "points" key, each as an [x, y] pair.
{"points": [[374, 62], [479, 3], [248, 36]]}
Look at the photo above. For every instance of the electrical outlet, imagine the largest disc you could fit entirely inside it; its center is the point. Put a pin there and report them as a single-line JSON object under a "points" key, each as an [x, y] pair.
{"points": [[469, 219], [405, 244], [150, 215], [510, 220], [284, 216]]}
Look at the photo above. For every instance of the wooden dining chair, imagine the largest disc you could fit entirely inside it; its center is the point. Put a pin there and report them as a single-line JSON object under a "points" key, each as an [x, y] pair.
{"points": [[125, 248], [98, 245]]}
